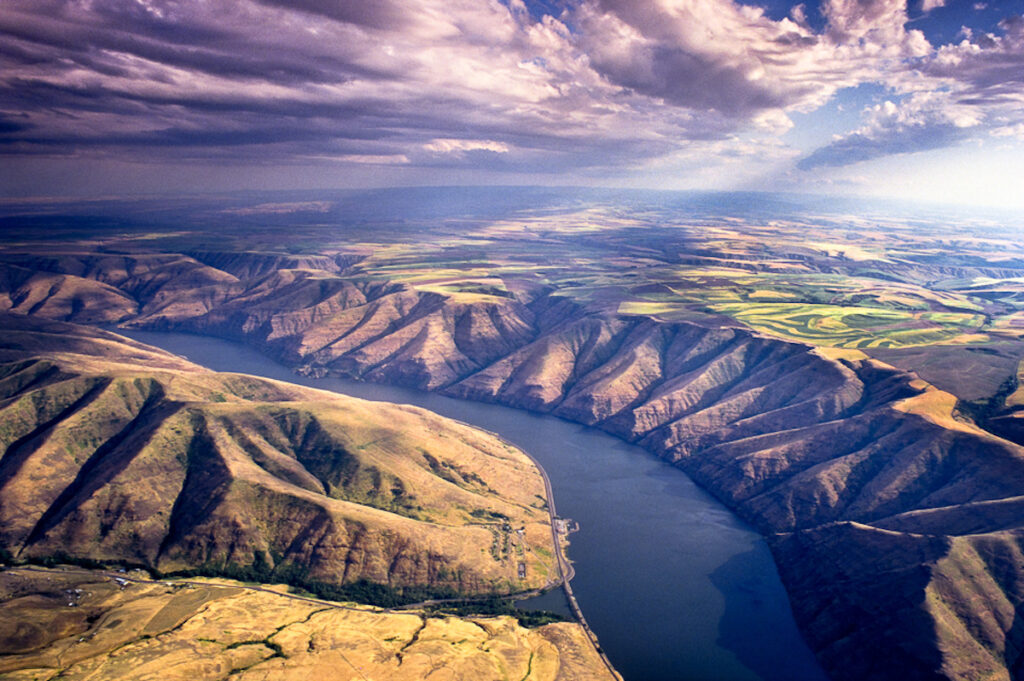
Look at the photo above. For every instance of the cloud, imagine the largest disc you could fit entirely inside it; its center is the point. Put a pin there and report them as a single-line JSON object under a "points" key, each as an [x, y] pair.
{"points": [[858, 146], [734, 60], [958, 91], [986, 68], [347, 81], [605, 86], [379, 14], [929, 5], [985, 73], [729, 58], [167, 74], [447, 146], [877, 27], [282, 208], [262, 82], [922, 122]]}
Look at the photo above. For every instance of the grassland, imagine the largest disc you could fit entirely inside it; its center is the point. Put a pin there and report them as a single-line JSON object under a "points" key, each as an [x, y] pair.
{"points": [[825, 280], [851, 326], [76, 625], [841, 282], [828, 283]]}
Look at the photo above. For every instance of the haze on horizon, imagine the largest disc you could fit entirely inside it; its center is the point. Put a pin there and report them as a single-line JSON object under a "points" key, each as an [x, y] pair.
{"points": [[921, 100]]}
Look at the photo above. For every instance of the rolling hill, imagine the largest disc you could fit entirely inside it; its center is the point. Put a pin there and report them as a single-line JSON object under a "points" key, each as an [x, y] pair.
{"points": [[893, 516]]}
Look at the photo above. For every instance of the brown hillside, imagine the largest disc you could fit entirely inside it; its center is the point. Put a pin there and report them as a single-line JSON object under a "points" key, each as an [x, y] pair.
{"points": [[211, 630], [116, 452], [878, 496]]}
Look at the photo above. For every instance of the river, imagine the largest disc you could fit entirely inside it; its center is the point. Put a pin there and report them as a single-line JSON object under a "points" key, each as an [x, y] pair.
{"points": [[673, 584]]}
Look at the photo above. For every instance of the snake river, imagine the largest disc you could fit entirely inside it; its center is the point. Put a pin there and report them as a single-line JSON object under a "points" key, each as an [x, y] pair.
{"points": [[674, 585]]}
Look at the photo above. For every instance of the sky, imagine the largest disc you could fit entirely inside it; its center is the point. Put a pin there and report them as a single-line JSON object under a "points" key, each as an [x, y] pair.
{"points": [[918, 99]]}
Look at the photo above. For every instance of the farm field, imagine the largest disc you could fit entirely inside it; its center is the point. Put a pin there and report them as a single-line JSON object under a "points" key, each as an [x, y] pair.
{"points": [[888, 287], [824, 279]]}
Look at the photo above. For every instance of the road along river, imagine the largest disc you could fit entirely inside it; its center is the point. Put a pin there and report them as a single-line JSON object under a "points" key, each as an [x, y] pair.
{"points": [[673, 584]]}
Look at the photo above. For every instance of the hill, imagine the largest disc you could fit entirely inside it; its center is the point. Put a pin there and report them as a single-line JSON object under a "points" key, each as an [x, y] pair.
{"points": [[118, 452], [121, 626], [893, 507]]}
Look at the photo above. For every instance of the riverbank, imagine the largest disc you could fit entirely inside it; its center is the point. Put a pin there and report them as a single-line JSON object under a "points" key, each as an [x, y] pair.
{"points": [[675, 587], [559, 538]]}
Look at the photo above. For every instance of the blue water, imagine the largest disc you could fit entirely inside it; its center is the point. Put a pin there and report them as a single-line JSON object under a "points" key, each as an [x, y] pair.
{"points": [[674, 585]]}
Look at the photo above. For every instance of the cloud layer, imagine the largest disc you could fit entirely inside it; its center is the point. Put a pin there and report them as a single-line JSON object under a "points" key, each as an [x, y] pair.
{"points": [[605, 86]]}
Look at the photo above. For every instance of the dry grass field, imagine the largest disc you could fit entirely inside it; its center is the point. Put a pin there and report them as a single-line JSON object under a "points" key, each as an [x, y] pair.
{"points": [[80, 626]]}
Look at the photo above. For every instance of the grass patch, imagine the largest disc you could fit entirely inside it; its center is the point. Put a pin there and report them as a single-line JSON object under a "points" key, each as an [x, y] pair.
{"points": [[361, 591], [492, 607], [850, 326]]}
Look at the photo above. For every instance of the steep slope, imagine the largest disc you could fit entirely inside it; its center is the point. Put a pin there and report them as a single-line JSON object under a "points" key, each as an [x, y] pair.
{"points": [[116, 452], [876, 494], [813, 451]]}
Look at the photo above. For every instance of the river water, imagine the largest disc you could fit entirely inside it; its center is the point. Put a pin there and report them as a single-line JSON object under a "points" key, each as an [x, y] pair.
{"points": [[673, 584]]}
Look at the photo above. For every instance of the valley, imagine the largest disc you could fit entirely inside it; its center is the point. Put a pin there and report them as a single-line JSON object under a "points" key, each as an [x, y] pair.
{"points": [[116, 453], [796, 368], [673, 584]]}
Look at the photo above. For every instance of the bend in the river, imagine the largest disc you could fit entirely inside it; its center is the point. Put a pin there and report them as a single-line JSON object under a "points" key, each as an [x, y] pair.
{"points": [[674, 585]]}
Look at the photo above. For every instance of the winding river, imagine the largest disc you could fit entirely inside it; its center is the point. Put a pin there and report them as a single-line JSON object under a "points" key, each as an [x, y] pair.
{"points": [[674, 585]]}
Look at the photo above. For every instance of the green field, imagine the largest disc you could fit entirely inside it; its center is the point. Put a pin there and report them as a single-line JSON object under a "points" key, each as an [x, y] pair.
{"points": [[851, 326], [824, 280]]}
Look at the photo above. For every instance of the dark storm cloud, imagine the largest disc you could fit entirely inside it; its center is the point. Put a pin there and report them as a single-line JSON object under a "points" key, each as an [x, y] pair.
{"points": [[380, 14], [9, 125], [184, 44], [122, 71], [180, 137], [692, 80], [149, 77]]}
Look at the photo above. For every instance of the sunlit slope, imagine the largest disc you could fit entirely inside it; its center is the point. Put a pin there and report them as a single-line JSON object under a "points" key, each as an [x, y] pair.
{"points": [[114, 452], [804, 443], [140, 631], [828, 280]]}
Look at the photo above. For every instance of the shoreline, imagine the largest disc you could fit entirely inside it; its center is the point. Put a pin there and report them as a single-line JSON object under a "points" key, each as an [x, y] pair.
{"points": [[563, 562], [565, 569]]}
